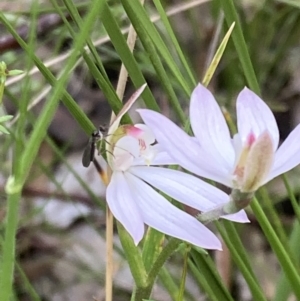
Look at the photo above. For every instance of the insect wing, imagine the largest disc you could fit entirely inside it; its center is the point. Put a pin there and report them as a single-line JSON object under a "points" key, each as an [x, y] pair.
{"points": [[88, 154]]}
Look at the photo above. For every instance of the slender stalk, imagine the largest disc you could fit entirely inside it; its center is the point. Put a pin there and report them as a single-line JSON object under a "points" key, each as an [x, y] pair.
{"points": [[294, 202], [162, 258], [109, 255], [183, 276], [134, 258], [207, 267], [241, 259], [287, 265], [9, 246], [283, 287]]}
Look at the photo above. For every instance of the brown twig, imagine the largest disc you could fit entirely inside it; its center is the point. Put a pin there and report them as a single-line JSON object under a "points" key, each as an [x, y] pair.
{"points": [[33, 192]]}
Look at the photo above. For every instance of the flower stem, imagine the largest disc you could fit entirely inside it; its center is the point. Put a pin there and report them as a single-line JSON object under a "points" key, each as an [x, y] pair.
{"points": [[183, 276], [134, 258], [241, 258], [109, 255], [167, 251], [8, 259], [287, 265]]}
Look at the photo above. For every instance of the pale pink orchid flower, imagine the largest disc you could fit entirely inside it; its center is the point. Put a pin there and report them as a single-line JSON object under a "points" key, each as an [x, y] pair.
{"points": [[246, 162], [134, 159], [134, 201]]}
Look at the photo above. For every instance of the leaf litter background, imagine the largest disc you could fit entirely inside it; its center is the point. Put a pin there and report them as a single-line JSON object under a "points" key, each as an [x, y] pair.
{"points": [[60, 243]]}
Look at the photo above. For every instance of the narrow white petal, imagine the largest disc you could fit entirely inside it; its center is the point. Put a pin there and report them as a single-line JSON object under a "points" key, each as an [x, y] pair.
{"points": [[239, 217], [162, 156], [186, 189], [210, 128], [255, 116], [287, 156], [182, 187], [122, 204], [161, 215], [184, 149]]}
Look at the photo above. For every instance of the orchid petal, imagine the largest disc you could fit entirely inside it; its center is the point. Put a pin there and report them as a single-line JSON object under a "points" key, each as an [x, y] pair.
{"points": [[123, 206], [183, 148], [161, 215], [253, 115], [210, 128], [287, 156], [162, 157], [182, 187], [186, 189], [239, 217]]}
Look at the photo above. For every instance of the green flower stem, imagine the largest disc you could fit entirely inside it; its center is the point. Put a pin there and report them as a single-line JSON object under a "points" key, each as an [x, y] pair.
{"points": [[202, 281], [240, 257], [273, 216], [283, 287], [235, 241], [136, 265], [164, 255], [9, 246], [152, 247], [183, 276], [206, 267], [294, 202], [239, 43], [285, 261], [144, 283], [168, 282]]}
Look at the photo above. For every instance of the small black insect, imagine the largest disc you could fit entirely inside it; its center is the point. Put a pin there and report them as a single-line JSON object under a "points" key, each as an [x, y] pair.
{"points": [[89, 151]]}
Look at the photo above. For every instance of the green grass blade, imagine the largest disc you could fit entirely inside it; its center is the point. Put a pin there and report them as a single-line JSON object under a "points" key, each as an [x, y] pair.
{"points": [[143, 26], [287, 265], [231, 16]]}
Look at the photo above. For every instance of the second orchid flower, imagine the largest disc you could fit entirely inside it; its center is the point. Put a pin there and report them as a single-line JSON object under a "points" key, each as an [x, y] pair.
{"points": [[245, 162]]}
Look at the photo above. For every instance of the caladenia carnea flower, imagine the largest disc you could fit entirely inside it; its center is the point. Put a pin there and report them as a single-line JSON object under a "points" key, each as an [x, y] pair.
{"points": [[245, 162], [132, 196]]}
